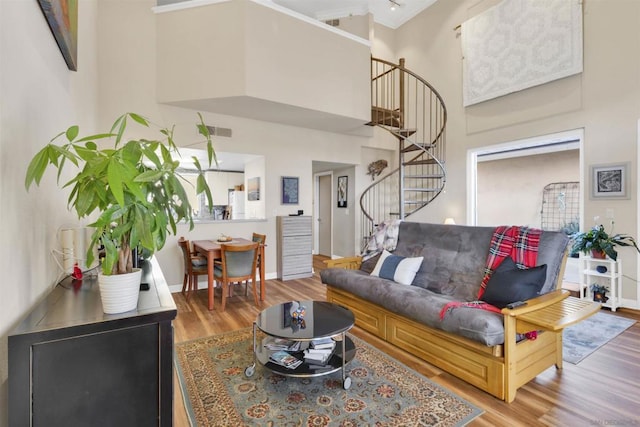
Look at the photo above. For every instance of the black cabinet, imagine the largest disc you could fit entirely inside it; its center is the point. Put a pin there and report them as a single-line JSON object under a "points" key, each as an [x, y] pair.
{"points": [[72, 365]]}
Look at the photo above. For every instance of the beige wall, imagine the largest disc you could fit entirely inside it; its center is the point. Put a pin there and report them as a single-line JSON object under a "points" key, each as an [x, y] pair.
{"points": [[39, 97], [358, 25], [510, 190], [604, 100], [250, 53]]}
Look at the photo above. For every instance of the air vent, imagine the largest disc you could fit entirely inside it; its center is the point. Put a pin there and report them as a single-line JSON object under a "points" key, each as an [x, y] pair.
{"points": [[333, 22], [218, 131]]}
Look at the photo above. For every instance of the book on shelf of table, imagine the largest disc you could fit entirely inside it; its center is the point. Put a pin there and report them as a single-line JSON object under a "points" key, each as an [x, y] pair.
{"points": [[317, 356], [285, 359], [322, 343]]}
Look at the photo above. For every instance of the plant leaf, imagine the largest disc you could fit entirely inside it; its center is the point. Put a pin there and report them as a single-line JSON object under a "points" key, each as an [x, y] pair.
{"points": [[115, 180], [139, 119], [72, 133], [36, 168]]}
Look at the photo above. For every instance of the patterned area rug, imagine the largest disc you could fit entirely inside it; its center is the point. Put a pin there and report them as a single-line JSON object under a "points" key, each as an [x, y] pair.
{"points": [[383, 392], [582, 339]]}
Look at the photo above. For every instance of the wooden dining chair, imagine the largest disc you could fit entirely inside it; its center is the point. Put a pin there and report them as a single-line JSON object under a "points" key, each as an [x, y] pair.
{"points": [[194, 265], [238, 265], [261, 239]]}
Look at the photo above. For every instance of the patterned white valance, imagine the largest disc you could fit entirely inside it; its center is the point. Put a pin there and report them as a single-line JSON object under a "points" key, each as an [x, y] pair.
{"points": [[518, 44]]}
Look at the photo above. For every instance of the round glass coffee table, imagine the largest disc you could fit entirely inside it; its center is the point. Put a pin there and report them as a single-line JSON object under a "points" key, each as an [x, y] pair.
{"points": [[322, 323]]}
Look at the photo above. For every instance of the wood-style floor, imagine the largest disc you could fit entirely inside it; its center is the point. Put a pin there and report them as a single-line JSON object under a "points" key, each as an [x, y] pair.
{"points": [[604, 389]]}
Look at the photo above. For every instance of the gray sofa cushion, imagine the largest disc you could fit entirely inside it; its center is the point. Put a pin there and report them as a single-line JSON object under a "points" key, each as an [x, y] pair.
{"points": [[418, 304]]}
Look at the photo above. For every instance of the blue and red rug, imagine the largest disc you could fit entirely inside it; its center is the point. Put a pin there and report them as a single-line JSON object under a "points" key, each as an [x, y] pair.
{"points": [[383, 392]]}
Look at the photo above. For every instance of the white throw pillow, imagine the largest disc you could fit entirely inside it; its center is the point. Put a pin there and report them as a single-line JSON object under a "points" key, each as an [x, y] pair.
{"points": [[397, 268]]}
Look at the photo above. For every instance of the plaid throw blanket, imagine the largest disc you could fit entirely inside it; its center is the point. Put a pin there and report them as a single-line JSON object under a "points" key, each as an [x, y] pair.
{"points": [[385, 237], [520, 243]]}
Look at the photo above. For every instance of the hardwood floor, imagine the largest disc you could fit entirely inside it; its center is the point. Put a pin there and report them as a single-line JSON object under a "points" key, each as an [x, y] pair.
{"points": [[604, 389]]}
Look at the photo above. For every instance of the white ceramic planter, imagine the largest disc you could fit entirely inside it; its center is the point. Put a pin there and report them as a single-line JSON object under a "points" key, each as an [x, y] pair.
{"points": [[119, 292]]}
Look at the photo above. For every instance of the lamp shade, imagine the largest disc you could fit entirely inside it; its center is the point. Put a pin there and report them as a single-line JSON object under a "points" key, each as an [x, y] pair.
{"points": [[449, 221]]}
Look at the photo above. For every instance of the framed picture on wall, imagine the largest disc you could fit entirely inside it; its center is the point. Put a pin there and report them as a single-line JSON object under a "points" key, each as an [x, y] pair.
{"points": [[62, 17], [343, 182], [290, 190], [609, 181]]}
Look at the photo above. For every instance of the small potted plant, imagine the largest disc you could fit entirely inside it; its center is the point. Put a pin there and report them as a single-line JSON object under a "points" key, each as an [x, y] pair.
{"points": [[599, 244], [599, 293], [135, 189]]}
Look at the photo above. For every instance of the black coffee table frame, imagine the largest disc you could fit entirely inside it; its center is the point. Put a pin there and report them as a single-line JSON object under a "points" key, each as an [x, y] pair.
{"points": [[325, 320]]}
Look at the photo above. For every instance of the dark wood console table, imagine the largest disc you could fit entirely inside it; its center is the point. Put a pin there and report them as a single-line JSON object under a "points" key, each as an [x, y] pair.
{"points": [[71, 364]]}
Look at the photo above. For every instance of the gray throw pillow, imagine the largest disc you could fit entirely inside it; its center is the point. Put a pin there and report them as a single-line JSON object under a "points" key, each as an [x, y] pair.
{"points": [[508, 283]]}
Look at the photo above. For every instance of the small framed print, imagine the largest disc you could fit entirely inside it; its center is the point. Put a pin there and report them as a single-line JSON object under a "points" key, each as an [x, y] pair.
{"points": [[343, 182], [609, 181], [290, 190]]}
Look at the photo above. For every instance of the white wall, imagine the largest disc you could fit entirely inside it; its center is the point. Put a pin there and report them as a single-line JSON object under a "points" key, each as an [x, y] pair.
{"points": [[39, 97]]}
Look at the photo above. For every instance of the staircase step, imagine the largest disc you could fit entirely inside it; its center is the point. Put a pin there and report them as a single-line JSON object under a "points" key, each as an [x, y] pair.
{"points": [[383, 116], [422, 190], [421, 162], [416, 147], [427, 176], [405, 133]]}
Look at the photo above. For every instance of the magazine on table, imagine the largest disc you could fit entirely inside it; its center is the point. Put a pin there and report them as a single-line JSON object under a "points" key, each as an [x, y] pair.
{"points": [[282, 344], [285, 359]]}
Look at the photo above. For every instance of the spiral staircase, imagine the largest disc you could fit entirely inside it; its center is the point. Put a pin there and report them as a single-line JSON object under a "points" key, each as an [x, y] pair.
{"points": [[408, 107]]}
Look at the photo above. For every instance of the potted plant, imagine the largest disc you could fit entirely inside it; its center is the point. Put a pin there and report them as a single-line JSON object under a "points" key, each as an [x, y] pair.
{"points": [[599, 293], [133, 186], [599, 243]]}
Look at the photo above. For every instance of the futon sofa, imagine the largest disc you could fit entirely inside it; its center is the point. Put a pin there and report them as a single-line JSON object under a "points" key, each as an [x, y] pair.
{"points": [[484, 348]]}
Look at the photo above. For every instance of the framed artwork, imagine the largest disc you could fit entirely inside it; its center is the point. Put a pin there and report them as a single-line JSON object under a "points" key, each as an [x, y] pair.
{"points": [[253, 189], [609, 181], [290, 190], [342, 191], [62, 17]]}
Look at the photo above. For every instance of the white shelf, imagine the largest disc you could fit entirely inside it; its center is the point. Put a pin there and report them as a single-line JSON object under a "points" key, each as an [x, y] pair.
{"points": [[611, 279]]}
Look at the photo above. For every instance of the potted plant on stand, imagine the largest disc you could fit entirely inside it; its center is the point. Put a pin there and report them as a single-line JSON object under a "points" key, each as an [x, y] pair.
{"points": [[135, 189], [600, 244]]}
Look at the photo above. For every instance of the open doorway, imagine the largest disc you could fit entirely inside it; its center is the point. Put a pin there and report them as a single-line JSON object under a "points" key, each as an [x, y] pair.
{"points": [[323, 214], [506, 181]]}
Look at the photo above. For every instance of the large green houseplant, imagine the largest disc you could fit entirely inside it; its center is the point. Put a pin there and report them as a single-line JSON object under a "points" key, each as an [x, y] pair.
{"points": [[133, 186], [597, 242]]}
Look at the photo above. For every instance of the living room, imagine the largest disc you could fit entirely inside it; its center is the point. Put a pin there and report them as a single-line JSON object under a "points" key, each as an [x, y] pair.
{"points": [[117, 73]]}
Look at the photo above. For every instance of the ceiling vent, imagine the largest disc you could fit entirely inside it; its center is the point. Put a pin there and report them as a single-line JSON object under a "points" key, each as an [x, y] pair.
{"points": [[333, 22], [218, 131]]}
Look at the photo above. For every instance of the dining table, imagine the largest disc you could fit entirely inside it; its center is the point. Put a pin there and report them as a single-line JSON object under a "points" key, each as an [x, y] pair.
{"points": [[211, 250]]}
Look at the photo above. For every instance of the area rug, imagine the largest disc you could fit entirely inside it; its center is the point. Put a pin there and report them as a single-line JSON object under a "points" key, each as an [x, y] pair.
{"points": [[383, 392], [582, 339]]}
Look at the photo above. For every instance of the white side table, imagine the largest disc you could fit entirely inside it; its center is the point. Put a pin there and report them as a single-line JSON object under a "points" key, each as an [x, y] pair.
{"points": [[611, 279]]}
